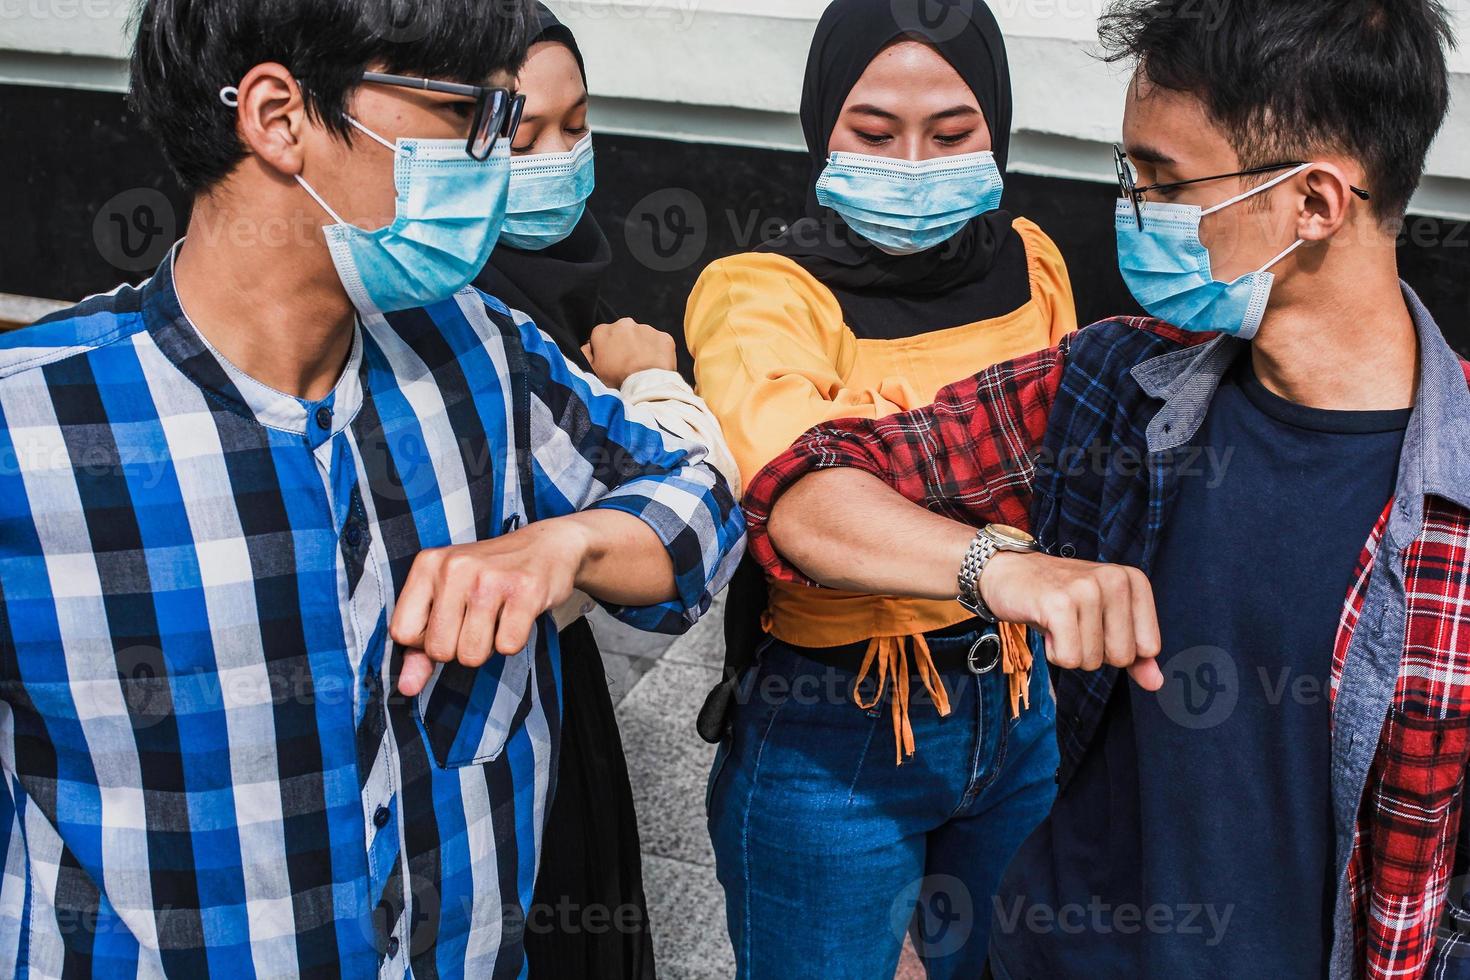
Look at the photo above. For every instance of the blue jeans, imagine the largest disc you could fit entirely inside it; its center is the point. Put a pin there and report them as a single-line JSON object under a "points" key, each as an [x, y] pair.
{"points": [[828, 851]]}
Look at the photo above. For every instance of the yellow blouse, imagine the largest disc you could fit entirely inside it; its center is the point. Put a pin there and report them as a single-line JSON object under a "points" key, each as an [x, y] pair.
{"points": [[773, 357]]}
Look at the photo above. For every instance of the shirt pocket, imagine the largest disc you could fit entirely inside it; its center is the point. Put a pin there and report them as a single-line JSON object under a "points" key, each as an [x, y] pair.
{"points": [[469, 713], [1418, 799]]}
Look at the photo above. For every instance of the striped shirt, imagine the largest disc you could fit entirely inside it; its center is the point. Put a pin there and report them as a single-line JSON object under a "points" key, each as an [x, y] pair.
{"points": [[207, 768]]}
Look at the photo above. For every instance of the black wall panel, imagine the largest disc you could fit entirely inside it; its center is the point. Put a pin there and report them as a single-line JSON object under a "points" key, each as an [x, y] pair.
{"points": [[88, 202]]}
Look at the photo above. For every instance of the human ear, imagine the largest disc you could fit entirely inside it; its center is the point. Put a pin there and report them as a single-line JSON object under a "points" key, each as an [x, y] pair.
{"points": [[1325, 197], [271, 117]]}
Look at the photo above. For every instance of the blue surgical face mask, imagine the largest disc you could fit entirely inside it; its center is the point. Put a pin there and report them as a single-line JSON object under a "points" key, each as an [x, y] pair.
{"points": [[548, 196], [448, 214], [1167, 268], [909, 206]]}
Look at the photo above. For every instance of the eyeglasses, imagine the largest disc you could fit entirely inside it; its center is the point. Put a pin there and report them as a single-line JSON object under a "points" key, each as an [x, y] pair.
{"points": [[497, 110], [1128, 186]]}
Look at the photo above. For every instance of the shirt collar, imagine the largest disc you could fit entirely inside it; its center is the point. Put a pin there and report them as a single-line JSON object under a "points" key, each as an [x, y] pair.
{"points": [[1436, 457], [1439, 433], [189, 350]]}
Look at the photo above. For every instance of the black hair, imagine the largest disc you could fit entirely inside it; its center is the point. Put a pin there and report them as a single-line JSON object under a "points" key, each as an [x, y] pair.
{"points": [[187, 50], [1289, 78]]}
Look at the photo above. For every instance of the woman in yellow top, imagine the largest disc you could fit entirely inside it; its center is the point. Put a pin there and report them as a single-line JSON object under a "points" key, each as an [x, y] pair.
{"points": [[904, 277]]}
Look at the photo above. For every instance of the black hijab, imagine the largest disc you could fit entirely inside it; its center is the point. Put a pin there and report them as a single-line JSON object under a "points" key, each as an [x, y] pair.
{"points": [[978, 274], [558, 287]]}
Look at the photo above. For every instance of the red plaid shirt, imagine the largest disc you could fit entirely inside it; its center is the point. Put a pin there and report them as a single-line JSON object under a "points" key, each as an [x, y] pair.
{"points": [[995, 448]]}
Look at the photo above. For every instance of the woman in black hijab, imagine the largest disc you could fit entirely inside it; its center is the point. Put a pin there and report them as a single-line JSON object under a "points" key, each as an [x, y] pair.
{"points": [[836, 825], [557, 286], [550, 265], [942, 286]]}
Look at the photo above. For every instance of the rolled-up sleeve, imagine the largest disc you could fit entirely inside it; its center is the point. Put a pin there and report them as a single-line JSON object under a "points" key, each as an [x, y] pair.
{"points": [[587, 454], [969, 456]]}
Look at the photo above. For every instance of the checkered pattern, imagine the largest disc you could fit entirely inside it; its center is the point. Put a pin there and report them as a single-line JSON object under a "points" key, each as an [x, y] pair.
{"points": [[1081, 443], [207, 768]]}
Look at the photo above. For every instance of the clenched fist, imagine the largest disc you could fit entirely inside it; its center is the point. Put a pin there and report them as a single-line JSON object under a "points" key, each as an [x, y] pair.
{"points": [[1090, 614], [469, 602], [617, 351]]}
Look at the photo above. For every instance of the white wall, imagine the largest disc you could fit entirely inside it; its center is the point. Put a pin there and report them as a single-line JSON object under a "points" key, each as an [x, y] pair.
{"points": [[729, 71]]}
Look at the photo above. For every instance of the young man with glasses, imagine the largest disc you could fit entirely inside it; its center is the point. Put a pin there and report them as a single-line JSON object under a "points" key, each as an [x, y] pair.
{"points": [[230, 491], [1258, 504]]}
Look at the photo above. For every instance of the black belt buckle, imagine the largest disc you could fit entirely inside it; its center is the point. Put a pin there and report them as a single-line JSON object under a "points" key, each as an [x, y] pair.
{"points": [[984, 655]]}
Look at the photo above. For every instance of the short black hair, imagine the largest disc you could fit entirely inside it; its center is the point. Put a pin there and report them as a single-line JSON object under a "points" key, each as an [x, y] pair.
{"points": [[1289, 78], [187, 50]]}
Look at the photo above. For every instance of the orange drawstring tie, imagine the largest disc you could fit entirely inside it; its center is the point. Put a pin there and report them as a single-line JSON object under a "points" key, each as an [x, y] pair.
{"points": [[1015, 658], [890, 653]]}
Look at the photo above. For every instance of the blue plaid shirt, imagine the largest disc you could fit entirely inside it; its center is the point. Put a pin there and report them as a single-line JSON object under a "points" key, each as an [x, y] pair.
{"points": [[207, 768]]}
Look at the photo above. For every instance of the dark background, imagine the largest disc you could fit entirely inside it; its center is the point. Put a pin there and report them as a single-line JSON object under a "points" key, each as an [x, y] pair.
{"points": [[90, 203]]}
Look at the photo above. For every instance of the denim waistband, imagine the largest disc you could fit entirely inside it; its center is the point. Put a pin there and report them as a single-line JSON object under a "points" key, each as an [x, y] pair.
{"points": [[967, 631], [949, 648]]}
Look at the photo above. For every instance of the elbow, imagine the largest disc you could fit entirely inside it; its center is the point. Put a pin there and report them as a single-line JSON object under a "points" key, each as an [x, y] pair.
{"points": [[793, 534], [781, 528]]}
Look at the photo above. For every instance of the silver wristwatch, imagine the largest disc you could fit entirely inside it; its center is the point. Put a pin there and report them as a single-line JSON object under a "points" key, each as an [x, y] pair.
{"points": [[991, 540]]}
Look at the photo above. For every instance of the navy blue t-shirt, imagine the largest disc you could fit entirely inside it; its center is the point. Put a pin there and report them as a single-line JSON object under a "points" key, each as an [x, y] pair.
{"points": [[1196, 838]]}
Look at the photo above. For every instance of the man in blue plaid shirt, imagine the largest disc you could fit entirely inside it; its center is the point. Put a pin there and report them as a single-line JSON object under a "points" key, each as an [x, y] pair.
{"points": [[280, 527]]}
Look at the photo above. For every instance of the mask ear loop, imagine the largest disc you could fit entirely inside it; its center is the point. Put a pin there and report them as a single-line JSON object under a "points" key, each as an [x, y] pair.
{"points": [[1260, 190], [318, 199], [1257, 190], [1282, 257], [392, 146], [230, 96]]}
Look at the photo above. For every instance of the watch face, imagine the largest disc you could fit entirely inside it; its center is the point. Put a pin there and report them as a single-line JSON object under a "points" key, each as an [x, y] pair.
{"points": [[1007, 536]]}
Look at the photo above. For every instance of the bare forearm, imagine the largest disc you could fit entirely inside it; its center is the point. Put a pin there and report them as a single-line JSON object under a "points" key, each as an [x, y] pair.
{"points": [[848, 530], [624, 562]]}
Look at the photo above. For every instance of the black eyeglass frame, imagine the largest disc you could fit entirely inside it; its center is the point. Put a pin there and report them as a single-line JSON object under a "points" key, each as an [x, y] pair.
{"points": [[1130, 190], [497, 110]]}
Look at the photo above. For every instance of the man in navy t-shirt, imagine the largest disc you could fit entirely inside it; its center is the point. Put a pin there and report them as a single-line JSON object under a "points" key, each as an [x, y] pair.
{"points": [[1153, 862]]}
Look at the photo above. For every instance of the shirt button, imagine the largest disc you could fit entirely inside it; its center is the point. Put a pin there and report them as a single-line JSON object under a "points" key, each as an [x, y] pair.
{"points": [[381, 818], [354, 535], [392, 946], [324, 417]]}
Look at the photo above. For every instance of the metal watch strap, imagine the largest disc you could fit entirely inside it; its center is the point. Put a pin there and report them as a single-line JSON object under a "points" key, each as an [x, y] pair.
{"points": [[977, 556]]}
